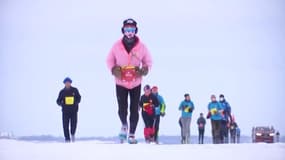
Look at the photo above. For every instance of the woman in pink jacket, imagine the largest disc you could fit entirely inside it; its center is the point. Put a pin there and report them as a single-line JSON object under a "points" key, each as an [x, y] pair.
{"points": [[129, 60]]}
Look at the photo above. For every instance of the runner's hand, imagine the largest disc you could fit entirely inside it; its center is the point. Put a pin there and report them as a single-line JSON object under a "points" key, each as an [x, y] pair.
{"points": [[116, 71], [141, 71]]}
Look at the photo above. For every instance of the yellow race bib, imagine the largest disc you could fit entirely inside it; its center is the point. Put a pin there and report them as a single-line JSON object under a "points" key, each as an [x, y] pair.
{"points": [[146, 105], [69, 100], [187, 109], [213, 111]]}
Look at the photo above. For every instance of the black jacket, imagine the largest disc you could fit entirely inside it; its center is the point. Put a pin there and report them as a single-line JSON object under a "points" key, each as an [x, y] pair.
{"points": [[201, 122], [151, 99], [233, 126], [68, 99]]}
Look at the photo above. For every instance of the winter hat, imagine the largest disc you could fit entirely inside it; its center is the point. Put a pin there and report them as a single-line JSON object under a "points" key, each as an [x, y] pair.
{"points": [[154, 87], [130, 22], [186, 95], [222, 96], [146, 87], [67, 79]]}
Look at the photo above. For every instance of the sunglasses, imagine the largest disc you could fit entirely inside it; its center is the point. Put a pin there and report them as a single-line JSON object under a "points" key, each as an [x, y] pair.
{"points": [[130, 29]]}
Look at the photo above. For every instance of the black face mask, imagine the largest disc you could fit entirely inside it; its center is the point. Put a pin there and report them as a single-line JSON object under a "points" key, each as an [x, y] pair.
{"points": [[129, 43], [129, 40]]}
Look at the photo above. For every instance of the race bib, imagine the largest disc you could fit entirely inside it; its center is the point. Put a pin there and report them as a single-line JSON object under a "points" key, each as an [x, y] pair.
{"points": [[69, 100], [187, 109], [147, 107], [214, 111], [201, 125], [128, 73]]}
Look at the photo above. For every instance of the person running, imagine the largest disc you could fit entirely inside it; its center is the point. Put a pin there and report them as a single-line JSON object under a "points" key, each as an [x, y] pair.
{"points": [[215, 110], [129, 60], [68, 99], [226, 114], [201, 122], [238, 134], [187, 108], [277, 136], [159, 111], [148, 102], [233, 131]]}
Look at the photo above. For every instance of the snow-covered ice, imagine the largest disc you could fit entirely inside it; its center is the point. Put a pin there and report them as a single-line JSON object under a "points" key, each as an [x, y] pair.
{"points": [[95, 150]]}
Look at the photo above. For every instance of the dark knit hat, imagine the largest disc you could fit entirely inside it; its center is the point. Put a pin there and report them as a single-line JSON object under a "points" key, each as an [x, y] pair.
{"points": [[186, 95], [146, 87], [67, 79], [129, 22]]}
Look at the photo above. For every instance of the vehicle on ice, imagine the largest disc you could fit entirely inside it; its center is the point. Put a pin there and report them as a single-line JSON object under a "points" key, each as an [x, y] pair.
{"points": [[263, 134]]}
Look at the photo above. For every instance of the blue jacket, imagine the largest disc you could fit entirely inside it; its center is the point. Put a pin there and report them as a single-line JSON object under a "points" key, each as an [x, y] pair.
{"points": [[214, 108], [161, 108], [186, 107], [227, 110]]}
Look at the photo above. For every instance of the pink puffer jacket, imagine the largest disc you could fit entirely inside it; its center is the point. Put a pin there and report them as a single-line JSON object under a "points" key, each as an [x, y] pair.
{"points": [[139, 56]]}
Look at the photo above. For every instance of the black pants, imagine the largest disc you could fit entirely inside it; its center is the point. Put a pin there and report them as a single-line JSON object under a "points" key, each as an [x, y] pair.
{"points": [[69, 118], [201, 135], [122, 97], [216, 131], [156, 126], [148, 120], [233, 135], [224, 132]]}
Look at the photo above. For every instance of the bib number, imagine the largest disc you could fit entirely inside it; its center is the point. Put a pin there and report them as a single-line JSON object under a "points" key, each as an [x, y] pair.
{"points": [[147, 107], [214, 111], [187, 110], [69, 101], [128, 73]]}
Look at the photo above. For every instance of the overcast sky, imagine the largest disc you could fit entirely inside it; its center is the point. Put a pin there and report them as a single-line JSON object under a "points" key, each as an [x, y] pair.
{"points": [[203, 47]]}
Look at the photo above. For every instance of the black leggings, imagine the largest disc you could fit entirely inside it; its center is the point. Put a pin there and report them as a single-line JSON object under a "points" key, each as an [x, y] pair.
{"points": [[224, 132], [148, 120], [122, 98], [156, 126], [69, 118], [201, 135], [216, 131]]}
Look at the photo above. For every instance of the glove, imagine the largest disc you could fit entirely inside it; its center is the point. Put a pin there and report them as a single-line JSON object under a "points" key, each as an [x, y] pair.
{"points": [[116, 71], [208, 115], [144, 71], [162, 114], [141, 71]]}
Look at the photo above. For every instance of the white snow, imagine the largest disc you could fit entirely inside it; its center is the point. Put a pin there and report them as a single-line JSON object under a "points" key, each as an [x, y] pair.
{"points": [[96, 150]]}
